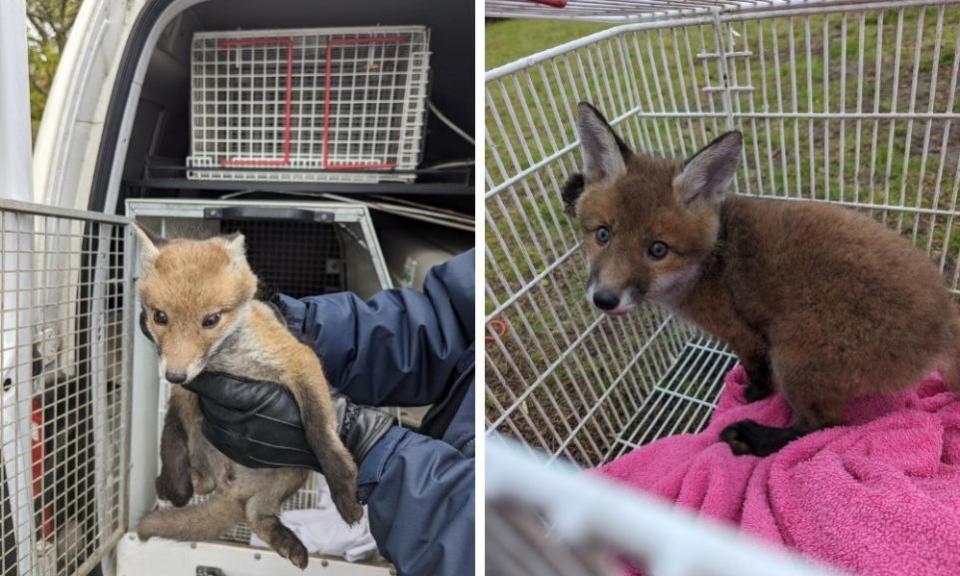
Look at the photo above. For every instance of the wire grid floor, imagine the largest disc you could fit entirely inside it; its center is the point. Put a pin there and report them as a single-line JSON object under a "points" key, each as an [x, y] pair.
{"points": [[62, 481], [853, 104], [328, 104]]}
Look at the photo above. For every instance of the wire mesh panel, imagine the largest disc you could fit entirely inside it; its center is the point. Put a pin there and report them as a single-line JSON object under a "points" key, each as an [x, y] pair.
{"points": [[295, 258], [849, 104], [329, 104], [62, 416]]}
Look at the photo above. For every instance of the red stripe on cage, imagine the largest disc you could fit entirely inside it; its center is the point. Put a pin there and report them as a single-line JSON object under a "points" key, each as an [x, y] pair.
{"points": [[38, 456], [288, 104], [554, 3], [327, 165]]}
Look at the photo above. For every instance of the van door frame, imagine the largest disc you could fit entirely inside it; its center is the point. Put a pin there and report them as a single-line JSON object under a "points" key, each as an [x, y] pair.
{"points": [[17, 305]]}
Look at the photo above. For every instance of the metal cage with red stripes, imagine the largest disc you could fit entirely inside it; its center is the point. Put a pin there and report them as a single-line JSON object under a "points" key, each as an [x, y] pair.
{"points": [[317, 105]]}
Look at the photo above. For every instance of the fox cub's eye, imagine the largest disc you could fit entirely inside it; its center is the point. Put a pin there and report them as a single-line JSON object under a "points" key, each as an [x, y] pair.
{"points": [[658, 250], [160, 317], [211, 320], [603, 235]]}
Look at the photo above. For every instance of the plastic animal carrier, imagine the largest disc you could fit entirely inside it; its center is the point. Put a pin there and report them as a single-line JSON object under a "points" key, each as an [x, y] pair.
{"points": [[82, 402], [844, 102], [312, 105]]}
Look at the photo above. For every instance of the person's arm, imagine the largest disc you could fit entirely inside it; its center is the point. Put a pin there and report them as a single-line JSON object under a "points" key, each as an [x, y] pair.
{"points": [[399, 347], [419, 491], [420, 499]]}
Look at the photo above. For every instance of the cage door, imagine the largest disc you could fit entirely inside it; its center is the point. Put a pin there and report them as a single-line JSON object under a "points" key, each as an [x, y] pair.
{"points": [[63, 407]]}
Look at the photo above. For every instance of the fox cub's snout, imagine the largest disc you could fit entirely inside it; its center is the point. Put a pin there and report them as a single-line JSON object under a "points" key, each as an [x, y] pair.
{"points": [[648, 223], [193, 292]]}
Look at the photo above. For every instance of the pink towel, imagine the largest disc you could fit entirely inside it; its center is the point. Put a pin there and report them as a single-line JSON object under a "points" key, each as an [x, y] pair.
{"points": [[879, 496]]}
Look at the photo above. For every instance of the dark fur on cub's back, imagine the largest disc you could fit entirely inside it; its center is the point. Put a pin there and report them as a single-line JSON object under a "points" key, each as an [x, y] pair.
{"points": [[824, 302], [836, 288]]}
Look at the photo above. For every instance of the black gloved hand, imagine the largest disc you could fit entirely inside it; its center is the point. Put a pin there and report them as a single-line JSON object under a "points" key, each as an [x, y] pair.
{"points": [[257, 424]]}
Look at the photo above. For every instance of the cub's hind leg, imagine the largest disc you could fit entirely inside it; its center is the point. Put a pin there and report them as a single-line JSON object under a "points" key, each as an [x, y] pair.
{"points": [[204, 522], [261, 513]]}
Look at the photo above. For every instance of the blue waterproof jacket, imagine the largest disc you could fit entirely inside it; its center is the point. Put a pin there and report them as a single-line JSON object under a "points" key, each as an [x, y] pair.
{"points": [[407, 348]]}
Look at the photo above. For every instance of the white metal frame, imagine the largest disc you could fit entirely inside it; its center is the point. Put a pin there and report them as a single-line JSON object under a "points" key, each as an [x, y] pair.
{"points": [[308, 105], [165, 558], [16, 308], [852, 103], [594, 509]]}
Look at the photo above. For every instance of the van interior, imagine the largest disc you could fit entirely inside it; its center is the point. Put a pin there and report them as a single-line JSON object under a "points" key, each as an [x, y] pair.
{"points": [[440, 201]]}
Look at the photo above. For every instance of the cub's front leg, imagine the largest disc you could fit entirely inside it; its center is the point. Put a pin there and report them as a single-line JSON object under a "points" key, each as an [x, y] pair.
{"points": [[320, 426], [303, 375]]}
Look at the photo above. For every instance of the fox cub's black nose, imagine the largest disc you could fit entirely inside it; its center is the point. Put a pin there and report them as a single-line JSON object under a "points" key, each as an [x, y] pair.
{"points": [[605, 300], [176, 377]]}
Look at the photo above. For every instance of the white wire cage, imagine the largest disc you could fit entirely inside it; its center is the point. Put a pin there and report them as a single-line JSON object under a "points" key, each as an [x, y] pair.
{"points": [[852, 103], [65, 388], [310, 105], [284, 240]]}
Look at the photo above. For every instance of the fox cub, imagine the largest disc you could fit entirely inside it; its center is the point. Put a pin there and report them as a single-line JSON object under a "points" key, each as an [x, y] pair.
{"points": [[820, 301], [198, 309]]}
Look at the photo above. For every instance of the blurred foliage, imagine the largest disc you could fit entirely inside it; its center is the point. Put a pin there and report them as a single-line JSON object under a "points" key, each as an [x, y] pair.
{"points": [[48, 25]]}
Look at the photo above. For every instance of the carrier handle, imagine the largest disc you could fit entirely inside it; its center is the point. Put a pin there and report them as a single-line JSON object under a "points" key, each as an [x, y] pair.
{"points": [[268, 213]]}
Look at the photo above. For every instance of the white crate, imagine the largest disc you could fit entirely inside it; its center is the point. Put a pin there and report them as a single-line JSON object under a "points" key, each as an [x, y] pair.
{"points": [[366, 274], [308, 105]]}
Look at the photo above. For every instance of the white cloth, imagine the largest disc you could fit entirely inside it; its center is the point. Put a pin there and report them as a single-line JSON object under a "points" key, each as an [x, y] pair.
{"points": [[323, 531]]}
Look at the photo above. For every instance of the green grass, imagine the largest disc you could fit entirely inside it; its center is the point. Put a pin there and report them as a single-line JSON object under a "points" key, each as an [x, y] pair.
{"points": [[508, 40]]}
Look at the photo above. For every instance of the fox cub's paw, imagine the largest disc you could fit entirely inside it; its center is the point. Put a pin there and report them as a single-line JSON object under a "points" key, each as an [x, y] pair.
{"points": [[743, 437], [749, 437], [349, 508], [148, 526], [291, 548], [178, 492]]}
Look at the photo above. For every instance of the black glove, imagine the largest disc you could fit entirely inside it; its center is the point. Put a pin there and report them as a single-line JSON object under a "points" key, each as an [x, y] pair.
{"points": [[257, 424]]}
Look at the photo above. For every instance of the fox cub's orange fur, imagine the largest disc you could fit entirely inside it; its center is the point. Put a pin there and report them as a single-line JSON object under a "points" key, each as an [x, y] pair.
{"points": [[821, 301], [199, 310]]}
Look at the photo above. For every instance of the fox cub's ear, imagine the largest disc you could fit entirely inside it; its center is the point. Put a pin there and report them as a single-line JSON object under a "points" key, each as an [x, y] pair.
{"points": [[708, 173], [150, 244], [572, 190], [605, 154], [236, 246]]}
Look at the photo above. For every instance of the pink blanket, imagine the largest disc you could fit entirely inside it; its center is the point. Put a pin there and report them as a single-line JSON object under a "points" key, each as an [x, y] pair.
{"points": [[880, 496]]}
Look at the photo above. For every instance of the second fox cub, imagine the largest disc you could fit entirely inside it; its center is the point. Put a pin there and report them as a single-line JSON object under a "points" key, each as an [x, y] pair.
{"points": [[198, 309], [822, 302]]}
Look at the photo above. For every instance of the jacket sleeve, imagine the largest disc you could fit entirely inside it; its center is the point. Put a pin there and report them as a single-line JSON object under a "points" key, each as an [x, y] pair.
{"points": [[420, 499], [401, 346]]}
